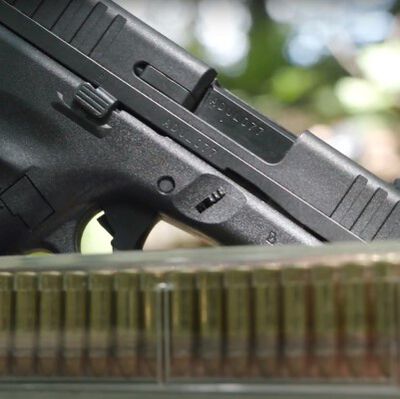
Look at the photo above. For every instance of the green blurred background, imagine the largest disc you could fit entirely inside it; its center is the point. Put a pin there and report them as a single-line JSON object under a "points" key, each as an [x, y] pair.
{"points": [[324, 65], [331, 66]]}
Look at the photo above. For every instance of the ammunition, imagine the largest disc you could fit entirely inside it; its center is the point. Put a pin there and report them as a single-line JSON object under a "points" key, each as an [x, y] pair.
{"points": [[317, 322], [354, 308], [382, 301], [50, 318], [152, 316], [182, 322], [295, 320], [266, 288], [127, 323], [210, 301], [6, 311], [325, 321], [100, 322], [238, 322], [25, 339], [75, 286]]}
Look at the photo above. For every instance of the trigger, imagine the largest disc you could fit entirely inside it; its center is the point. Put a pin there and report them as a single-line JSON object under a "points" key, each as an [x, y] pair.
{"points": [[128, 225]]}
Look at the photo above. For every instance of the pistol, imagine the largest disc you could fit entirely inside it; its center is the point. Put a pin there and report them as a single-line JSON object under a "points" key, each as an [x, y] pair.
{"points": [[99, 112]]}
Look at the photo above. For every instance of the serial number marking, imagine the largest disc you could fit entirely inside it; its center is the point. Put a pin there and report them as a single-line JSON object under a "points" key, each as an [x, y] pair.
{"points": [[228, 111], [199, 144]]}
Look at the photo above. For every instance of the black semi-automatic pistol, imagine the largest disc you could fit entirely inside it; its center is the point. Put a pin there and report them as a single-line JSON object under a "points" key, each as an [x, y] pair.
{"points": [[99, 112]]}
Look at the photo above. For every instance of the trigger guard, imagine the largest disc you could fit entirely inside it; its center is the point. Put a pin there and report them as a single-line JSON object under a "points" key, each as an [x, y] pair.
{"points": [[128, 225], [65, 239]]}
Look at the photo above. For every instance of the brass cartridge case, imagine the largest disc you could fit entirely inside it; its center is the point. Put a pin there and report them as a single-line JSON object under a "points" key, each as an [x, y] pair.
{"points": [[101, 286], [210, 302], [295, 321], [182, 323], [25, 338], [127, 323], [238, 322], [6, 312], [382, 302], [50, 323], [355, 320], [75, 334], [151, 340], [325, 321], [267, 308]]}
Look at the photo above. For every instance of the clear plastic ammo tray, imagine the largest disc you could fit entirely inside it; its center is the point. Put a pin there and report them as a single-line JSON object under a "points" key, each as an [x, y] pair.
{"points": [[294, 322]]}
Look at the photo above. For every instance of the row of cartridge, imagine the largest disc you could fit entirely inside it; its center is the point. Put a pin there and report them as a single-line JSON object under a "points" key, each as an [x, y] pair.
{"points": [[260, 322]]}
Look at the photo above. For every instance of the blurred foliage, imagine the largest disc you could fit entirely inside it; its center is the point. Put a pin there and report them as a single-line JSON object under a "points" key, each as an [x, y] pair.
{"points": [[267, 76], [326, 65], [313, 89], [324, 92]]}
